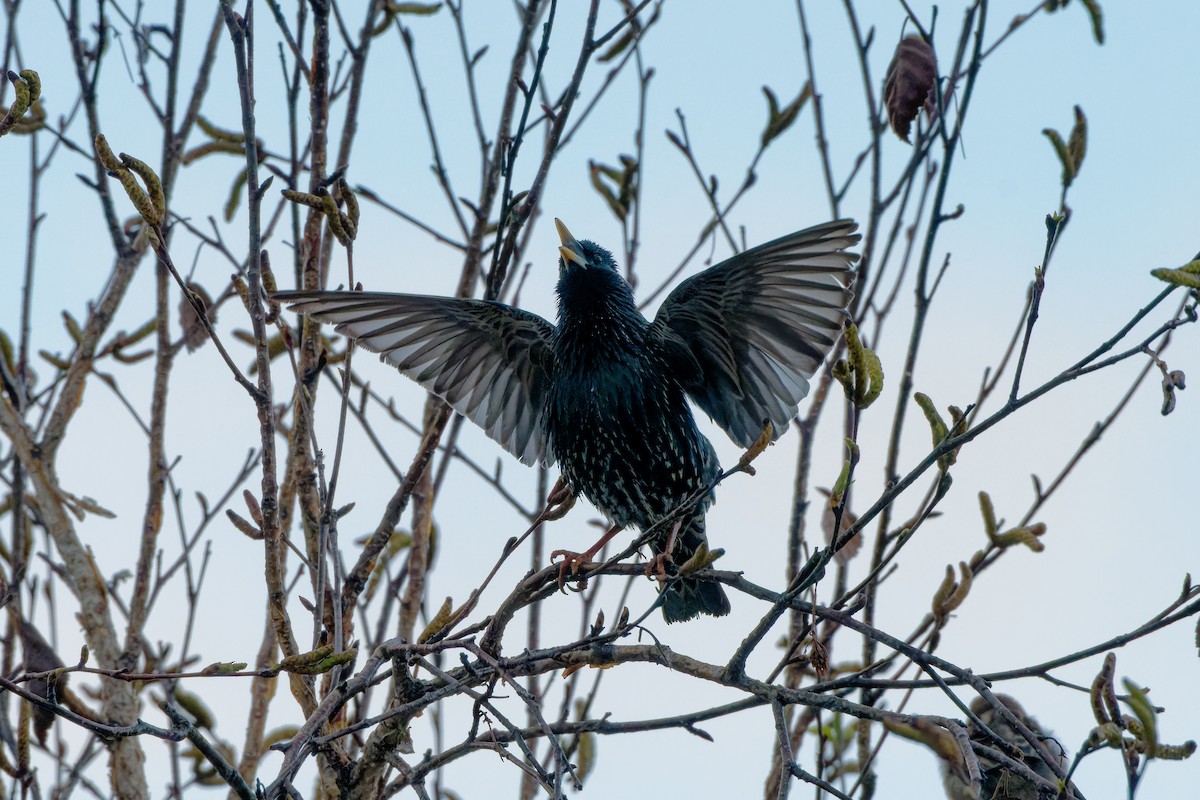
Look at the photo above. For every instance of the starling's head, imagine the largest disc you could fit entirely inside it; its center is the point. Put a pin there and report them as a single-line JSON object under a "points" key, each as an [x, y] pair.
{"points": [[581, 255], [588, 280]]}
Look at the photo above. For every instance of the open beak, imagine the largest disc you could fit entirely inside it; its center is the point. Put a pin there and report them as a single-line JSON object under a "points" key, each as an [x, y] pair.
{"points": [[570, 249]]}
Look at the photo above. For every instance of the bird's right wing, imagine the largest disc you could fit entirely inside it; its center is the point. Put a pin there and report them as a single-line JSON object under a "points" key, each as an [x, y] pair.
{"points": [[490, 362]]}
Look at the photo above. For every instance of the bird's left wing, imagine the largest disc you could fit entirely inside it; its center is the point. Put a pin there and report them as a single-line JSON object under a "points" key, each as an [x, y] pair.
{"points": [[489, 361], [754, 328]]}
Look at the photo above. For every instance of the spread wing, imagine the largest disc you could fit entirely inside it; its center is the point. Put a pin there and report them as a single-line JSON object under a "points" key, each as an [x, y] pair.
{"points": [[759, 325], [490, 362]]}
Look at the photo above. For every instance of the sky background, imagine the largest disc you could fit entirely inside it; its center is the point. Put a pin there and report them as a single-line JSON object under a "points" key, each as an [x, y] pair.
{"points": [[1122, 533]]}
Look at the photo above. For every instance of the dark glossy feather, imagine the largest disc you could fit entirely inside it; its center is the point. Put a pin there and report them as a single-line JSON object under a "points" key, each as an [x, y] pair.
{"points": [[490, 362], [758, 325]]}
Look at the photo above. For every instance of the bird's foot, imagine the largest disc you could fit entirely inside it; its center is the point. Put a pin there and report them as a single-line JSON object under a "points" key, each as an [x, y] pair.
{"points": [[574, 561], [657, 567], [571, 561]]}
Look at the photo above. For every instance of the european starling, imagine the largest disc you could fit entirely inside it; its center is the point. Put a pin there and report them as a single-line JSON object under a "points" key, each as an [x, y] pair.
{"points": [[604, 392], [998, 780]]}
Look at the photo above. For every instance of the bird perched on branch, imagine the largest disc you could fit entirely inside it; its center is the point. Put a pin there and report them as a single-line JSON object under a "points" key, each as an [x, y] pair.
{"points": [[604, 392]]}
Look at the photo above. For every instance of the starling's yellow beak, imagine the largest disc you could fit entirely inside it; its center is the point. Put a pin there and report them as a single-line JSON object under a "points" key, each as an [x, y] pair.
{"points": [[570, 249]]}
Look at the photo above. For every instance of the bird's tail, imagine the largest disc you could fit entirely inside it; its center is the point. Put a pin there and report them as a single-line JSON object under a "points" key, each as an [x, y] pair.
{"points": [[688, 597]]}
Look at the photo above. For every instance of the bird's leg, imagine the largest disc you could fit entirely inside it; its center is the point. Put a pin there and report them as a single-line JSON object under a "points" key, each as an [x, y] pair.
{"points": [[573, 560], [657, 566]]}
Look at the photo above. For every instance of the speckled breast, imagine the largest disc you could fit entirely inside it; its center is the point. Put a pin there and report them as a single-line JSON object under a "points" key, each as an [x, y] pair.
{"points": [[626, 439]]}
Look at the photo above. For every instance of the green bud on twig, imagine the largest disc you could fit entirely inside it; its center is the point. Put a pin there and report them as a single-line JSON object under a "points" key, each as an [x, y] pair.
{"points": [[220, 134], [317, 662], [208, 148], [340, 224], [235, 195], [951, 593], [153, 185], [1064, 155], [224, 668], [152, 207], [107, 158], [1092, 7], [1025, 534], [440, 620], [1071, 151], [701, 559], [352, 209], [756, 449], [27, 88], [1188, 275], [840, 485], [780, 119], [937, 426], [989, 515], [192, 704], [861, 375], [1146, 714], [1077, 141]]}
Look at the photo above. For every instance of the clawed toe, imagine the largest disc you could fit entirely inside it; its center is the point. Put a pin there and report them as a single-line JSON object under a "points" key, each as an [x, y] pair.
{"points": [[574, 561], [570, 561], [656, 567]]}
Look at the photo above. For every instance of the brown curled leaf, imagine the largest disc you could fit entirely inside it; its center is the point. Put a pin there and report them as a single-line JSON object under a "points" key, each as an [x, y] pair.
{"points": [[909, 84]]}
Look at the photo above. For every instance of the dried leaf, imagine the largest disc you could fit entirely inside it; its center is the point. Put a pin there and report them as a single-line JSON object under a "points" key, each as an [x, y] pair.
{"points": [[909, 85]]}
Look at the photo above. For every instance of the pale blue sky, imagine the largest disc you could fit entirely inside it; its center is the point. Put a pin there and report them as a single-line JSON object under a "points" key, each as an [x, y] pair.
{"points": [[1122, 534]]}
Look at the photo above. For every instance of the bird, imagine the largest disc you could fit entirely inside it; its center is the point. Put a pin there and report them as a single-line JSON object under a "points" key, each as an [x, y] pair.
{"points": [[604, 392], [998, 780]]}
